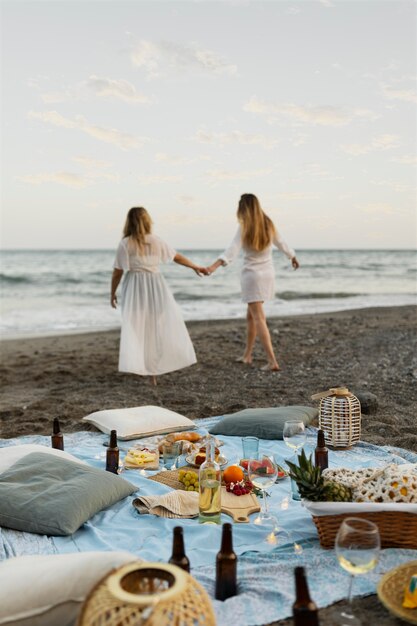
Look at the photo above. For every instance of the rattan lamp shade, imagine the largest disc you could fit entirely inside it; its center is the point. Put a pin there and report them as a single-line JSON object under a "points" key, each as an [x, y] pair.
{"points": [[147, 594], [339, 417]]}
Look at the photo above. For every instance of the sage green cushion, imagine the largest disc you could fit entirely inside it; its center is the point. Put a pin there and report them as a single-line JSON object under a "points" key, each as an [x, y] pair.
{"points": [[49, 495], [262, 423]]}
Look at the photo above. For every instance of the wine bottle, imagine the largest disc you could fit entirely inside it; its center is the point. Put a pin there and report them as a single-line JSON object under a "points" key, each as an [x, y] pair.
{"points": [[209, 502], [112, 455], [304, 610], [178, 556], [226, 566], [57, 438], [321, 453]]}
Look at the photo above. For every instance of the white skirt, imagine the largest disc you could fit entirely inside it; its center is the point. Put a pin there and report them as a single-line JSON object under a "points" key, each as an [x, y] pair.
{"points": [[154, 339], [258, 285]]}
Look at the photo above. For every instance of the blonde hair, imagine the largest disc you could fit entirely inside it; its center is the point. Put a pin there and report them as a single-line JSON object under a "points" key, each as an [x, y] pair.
{"points": [[138, 224], [257, 228]]}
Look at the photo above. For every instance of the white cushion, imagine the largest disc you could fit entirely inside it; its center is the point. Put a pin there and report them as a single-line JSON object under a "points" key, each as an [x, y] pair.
{"points": [[11, 454], [139, 421], [48, 590]]}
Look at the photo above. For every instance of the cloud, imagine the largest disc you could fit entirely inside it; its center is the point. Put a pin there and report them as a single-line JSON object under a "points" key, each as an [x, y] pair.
{"points": [[298, 195], [392, 184], [316, 115], [188, 200], [408, 95], [156, 179], [236, 136], [163, 157], [166, 57], [94, 169], [406, 159], [382, 142], [108, 135], [62, 178], [215, 175], [381, 208], [120, 89]]}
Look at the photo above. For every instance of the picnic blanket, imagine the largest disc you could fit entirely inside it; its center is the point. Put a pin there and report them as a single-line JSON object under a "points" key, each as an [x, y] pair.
{"points": [[265, 571]]}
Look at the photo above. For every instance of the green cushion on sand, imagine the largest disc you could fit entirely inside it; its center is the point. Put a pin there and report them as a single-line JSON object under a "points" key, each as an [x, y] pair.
{"points": [[49, 495], [262, 423]]}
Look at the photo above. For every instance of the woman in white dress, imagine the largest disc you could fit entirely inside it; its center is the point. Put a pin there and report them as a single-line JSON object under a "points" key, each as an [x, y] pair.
{"points": [[256, 235], [154, 339]]}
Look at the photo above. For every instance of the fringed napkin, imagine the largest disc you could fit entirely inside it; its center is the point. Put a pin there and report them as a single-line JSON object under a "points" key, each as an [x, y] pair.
{"points": [[173, 504]]}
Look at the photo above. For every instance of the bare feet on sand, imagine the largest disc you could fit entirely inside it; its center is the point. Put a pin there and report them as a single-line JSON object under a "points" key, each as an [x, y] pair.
{"points": [[244, 359], [271, 367]]}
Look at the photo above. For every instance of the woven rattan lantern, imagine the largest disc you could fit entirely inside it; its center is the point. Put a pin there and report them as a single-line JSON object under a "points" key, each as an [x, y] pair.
{"points": [[147, 594], [339, 417]]}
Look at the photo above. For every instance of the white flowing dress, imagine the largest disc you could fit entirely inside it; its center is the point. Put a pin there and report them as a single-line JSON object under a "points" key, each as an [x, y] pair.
{"points": [[154, 339], [258, 277]]}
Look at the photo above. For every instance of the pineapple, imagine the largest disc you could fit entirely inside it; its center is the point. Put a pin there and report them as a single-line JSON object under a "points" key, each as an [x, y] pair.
{"points": [[313, 486]]}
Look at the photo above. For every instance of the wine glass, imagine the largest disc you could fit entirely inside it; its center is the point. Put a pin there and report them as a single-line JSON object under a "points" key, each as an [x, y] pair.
{"points": [[357, 548], [263, 473], [294, 435]]}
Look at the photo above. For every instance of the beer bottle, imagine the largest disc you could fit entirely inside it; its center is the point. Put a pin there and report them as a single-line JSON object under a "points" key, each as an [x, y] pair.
{"points": [[57, 438], [321, 453], [304, 610], [178, 556], [226, 566], [112, 456]]}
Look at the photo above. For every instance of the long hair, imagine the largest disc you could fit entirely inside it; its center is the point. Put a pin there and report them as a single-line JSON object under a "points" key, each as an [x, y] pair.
{"points": [[257, 228], [138, 224]]}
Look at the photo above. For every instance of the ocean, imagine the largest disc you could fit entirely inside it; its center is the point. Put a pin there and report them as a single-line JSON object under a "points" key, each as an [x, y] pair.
{"points": [[59, 291]]}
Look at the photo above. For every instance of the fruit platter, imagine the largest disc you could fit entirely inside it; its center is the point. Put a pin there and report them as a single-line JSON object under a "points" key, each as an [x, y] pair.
{"points": [[385, 495]]}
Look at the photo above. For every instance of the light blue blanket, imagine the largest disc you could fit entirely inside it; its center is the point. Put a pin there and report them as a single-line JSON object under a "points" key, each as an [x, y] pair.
{"points": [[265, 571]]}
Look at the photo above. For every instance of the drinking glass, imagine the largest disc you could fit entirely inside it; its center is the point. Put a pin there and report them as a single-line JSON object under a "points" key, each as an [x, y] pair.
{"points": [[262, 473], [171, 451], [250, 447], [357, 548], [294, 435]]}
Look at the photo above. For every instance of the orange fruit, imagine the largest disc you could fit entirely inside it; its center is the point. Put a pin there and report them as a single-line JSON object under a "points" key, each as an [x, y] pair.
{"points": [[233, 474]]}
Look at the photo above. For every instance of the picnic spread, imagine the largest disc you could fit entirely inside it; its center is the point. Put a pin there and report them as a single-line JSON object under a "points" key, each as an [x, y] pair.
{"points": [[142, 521]]}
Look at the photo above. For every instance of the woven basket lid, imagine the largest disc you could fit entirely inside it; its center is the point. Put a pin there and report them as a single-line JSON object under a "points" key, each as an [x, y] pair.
{"points": [[149, 594]]}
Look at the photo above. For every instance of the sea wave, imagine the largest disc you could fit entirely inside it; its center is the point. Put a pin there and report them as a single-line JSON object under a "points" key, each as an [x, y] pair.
{"points": [[300, 295], [9, 279]]}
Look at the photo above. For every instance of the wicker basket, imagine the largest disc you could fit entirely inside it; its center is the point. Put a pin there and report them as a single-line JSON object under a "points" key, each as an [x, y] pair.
{"points": [[339, 417], [147, 594], [397, 530]]}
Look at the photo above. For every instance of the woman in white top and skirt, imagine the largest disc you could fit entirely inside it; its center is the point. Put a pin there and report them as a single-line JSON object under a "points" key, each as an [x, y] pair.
{"points": [[256, 235], [154, 339]]}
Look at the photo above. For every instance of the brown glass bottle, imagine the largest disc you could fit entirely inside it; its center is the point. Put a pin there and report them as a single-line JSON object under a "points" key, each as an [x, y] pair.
{"points": [[112, 456], [226, 566], [178, 557], [304, 610], [57, 438], [321, 453]]}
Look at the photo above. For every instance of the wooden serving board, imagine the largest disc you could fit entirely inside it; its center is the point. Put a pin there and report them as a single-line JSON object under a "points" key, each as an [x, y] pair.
{"points": [[239, 507]]}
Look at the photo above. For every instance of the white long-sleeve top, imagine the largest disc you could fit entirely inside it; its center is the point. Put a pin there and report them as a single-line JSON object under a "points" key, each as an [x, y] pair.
{"points": [[257, 277]]}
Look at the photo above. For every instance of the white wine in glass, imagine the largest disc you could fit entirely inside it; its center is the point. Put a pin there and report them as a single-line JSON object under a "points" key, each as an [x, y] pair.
{"points": [[357, 548]]}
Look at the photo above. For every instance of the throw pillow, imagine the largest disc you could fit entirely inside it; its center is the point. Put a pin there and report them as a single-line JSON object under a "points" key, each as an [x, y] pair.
{"points": [[267, 423], [10, 454], [45, 494], [139, 421], [47, 590]]}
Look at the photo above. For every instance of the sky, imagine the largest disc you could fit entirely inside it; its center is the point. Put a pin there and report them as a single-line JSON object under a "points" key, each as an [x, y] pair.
{"points": [[182, 106]]}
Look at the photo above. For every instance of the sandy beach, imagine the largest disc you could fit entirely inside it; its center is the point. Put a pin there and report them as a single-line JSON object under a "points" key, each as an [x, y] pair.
{"points": [[372, 350], [70, 376]]}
